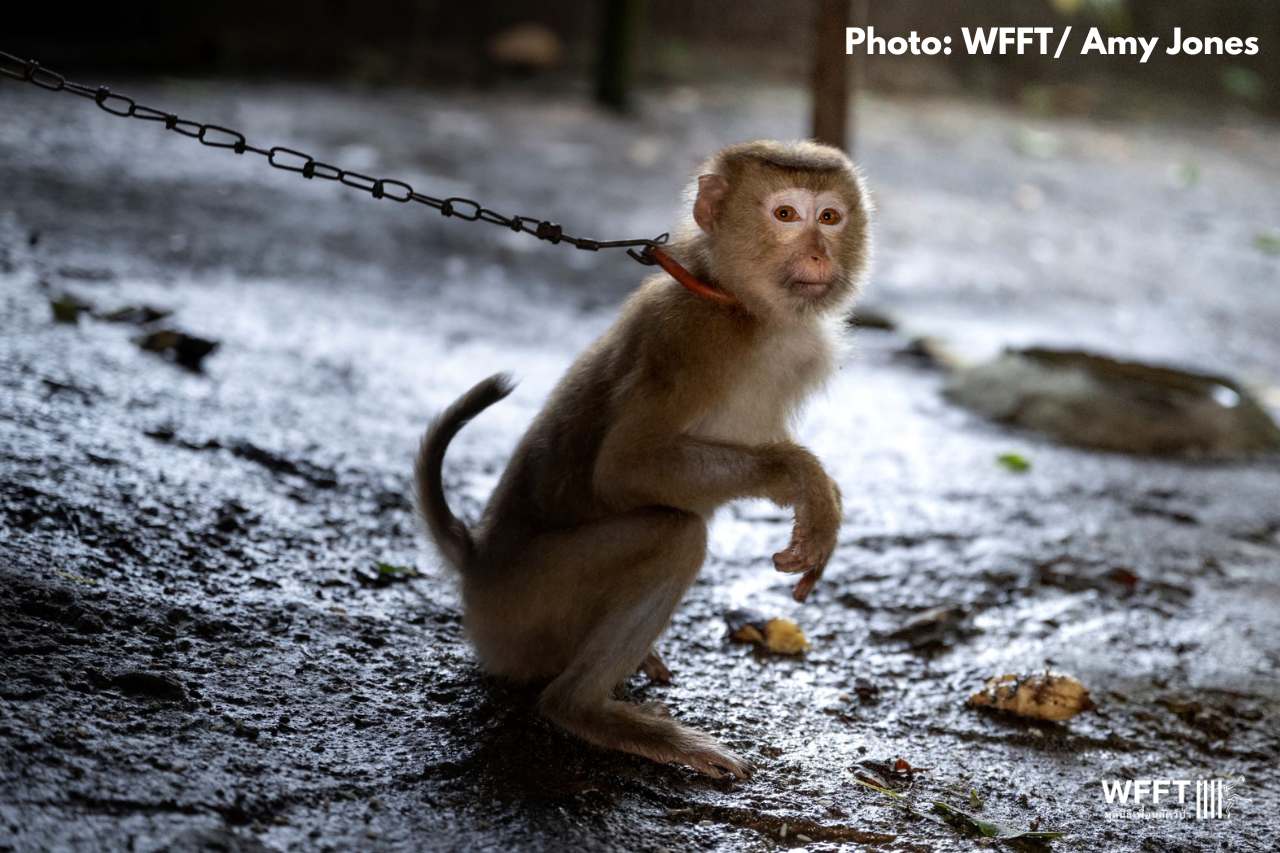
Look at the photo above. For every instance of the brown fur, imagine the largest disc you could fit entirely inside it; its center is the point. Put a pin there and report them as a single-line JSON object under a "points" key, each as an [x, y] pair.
{"points": [[598, 525]]}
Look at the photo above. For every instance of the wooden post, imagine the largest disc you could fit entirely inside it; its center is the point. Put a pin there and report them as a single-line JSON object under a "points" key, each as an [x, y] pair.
{"points": [[620, 29], [831, 106]]}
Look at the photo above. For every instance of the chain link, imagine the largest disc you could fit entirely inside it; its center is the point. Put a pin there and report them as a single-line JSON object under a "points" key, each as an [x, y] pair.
{"points": [[290, 160]]}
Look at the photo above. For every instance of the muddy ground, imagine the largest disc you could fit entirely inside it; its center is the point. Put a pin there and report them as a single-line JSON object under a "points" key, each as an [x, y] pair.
{"points": [[199, 649]]}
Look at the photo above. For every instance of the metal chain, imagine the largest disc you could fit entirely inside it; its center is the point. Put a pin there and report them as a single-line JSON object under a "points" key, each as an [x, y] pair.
{"points": [[289, 160]]}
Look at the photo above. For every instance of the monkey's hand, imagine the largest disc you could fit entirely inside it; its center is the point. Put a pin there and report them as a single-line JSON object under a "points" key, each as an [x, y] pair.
{"points": [[819, 511]]}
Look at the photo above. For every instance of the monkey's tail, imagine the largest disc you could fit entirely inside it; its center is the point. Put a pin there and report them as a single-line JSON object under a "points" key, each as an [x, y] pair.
{"points": [[450, 534]]}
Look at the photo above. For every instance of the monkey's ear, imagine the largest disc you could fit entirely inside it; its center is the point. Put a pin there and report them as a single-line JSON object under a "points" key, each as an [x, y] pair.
{"points": [[706, 208]]}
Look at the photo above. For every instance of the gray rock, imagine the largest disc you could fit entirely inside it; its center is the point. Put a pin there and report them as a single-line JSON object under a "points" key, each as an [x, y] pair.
{"points": [[1098, 402]]}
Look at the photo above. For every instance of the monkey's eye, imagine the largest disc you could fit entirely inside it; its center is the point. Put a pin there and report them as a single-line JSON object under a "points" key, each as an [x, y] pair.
{"points": [[830, 216], [785, 213]]}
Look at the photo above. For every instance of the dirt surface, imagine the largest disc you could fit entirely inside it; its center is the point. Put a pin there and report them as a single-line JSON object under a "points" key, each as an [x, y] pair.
{"points": [[199, 649]]}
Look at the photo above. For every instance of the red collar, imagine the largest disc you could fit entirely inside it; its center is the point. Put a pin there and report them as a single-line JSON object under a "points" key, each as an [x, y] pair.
{"points": [[691, 283]]}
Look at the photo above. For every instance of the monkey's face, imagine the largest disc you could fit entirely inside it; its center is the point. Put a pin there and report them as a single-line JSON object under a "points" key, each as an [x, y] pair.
{"points": [[805, 229], [786, 242]]}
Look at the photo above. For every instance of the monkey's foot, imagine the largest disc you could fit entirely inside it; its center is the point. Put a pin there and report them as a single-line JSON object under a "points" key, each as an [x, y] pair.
{"points": [[711, 758], [800, 556], [807, 553], [795, 560], [805, 585], [804, 554], [655, 670]]}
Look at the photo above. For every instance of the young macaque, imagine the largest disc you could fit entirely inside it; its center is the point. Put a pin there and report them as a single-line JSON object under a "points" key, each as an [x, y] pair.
{"points": [[599, 524]]}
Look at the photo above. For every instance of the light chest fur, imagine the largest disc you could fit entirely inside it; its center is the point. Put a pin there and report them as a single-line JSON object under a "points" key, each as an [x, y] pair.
{"points": [[765, 393]]}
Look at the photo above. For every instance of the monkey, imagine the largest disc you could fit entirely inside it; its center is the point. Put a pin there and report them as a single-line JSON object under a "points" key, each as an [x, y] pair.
{"points": [[598, 525]]}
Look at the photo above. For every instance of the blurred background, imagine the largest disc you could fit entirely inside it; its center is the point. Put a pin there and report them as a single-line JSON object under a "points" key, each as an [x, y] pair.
{"points": [[221, 626], [435, 42]]}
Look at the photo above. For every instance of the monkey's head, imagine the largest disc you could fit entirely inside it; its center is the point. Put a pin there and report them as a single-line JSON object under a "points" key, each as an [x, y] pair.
{"points": [[784, 226]]}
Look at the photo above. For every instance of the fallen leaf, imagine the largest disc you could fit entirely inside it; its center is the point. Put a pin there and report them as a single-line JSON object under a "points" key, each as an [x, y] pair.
{"points": [[67, 308], [1267, 242], [398, 571], [878, 789], [1052, 696], [778, 635], [385, 574], [189, 351], [1014, 462]]}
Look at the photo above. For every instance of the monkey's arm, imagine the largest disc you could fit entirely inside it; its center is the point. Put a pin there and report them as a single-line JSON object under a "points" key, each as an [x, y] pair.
{"points": [[697, 475], [644, 461]]}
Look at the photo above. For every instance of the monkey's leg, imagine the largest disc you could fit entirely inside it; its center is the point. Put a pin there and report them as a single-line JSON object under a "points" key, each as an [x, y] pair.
{"points": [[632, 605]]}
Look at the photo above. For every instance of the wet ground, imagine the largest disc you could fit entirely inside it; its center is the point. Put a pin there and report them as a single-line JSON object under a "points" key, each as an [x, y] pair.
{"points": [[199, 648]]}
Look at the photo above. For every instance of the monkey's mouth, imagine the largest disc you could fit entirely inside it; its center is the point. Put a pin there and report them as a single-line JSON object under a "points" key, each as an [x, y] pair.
{"points": [[811, 289]]}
